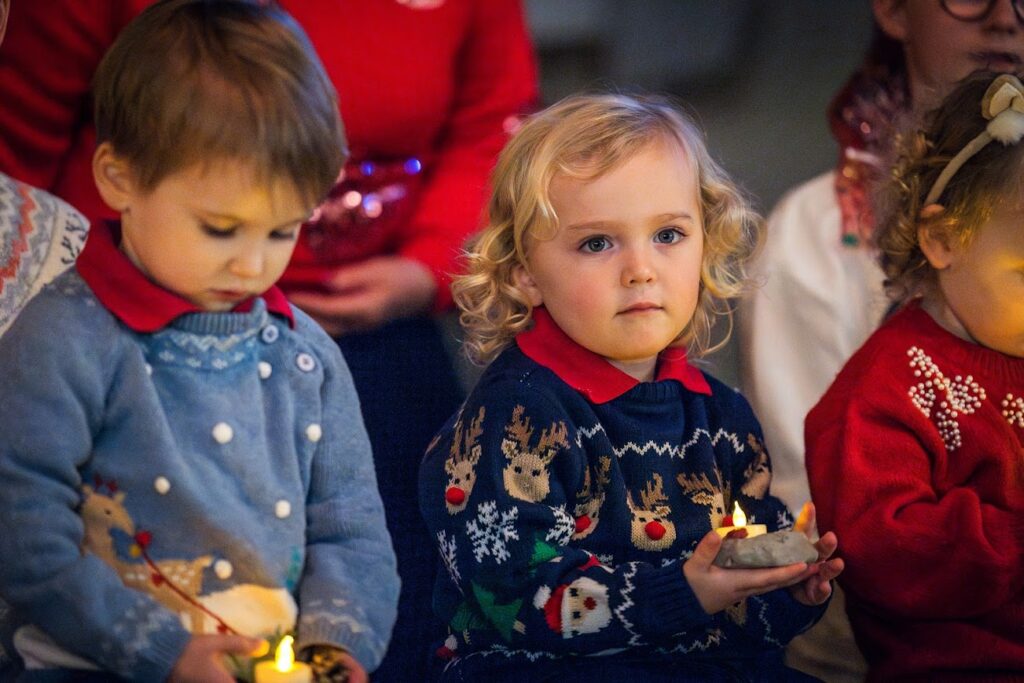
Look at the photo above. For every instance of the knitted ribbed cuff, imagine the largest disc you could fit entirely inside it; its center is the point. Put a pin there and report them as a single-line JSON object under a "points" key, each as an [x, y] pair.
{"points": [[164, 650], [367, 649], [666, 604]]}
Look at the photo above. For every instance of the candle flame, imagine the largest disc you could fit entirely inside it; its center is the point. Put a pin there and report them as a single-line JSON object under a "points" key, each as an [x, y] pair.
{"points": [[738, 518], [285, 656]]}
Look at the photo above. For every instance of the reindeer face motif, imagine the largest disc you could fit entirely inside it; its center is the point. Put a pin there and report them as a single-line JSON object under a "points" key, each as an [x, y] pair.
{"points": [[104, 512], [461, 465], [526, 474], [588, 510], [758, 475], [707, 494], [651, 528]]}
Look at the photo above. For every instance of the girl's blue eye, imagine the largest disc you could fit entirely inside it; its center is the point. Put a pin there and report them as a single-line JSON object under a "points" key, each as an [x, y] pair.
{"points": [[594, 244], [284, 235], [668, 236]]}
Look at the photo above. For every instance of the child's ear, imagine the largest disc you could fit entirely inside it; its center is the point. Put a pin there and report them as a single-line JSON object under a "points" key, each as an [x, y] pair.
{"points": [[891, 16], [935, 247], [525, 283], [113, 177]]}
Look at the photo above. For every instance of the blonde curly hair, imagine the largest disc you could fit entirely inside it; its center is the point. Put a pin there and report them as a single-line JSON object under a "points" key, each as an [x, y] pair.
{"points": [[583, 137], [921, 154]]}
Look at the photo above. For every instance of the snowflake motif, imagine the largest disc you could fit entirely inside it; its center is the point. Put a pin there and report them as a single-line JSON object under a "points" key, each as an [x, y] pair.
{"points": [[491, 531], [446, 547], [784, 520], [607, 560], [1013, 410], [564, 528], [955, 397], [194, 362]]}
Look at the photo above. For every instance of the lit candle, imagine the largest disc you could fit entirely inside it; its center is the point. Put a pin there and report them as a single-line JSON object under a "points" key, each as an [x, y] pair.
{"points": [[739, 521], [284, 669]]}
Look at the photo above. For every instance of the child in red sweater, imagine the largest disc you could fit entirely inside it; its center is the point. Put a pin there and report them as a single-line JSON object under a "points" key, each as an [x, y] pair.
{"points": [[915, 454]]}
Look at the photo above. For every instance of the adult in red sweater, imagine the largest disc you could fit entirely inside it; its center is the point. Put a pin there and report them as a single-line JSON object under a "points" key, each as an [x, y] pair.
{"points": [[429, 90], [915, 453]]}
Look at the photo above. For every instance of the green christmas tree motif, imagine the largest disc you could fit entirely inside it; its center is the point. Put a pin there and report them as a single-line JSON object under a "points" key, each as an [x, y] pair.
{"points": [[542, 552], [488, 613]]}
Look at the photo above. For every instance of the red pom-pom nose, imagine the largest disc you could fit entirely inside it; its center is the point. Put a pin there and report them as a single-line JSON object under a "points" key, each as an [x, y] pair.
{"points": [[655, 530], [454, 495], [582, 523]]}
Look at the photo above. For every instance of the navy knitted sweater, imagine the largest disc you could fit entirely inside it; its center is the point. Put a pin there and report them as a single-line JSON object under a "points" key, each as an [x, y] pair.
{"points": [[565, 497]]}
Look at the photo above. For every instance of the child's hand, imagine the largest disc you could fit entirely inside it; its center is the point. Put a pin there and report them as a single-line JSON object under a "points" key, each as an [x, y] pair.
{"points": [[717, 588], [817, 586], [333, 665], [202, 660]]}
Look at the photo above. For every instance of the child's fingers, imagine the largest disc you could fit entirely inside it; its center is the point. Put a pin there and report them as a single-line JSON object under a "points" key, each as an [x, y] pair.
{"points": [[756, 581], [235, 644], [832, 569], [705, 552], [826, 545]]}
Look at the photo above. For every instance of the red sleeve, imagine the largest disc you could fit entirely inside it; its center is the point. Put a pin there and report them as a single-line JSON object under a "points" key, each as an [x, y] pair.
{"points": [[497, 80], [911, 550], [46, 66]]}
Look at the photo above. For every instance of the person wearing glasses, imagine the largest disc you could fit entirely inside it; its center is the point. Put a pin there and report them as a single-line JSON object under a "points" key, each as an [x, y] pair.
{"points": [[822, 294]]}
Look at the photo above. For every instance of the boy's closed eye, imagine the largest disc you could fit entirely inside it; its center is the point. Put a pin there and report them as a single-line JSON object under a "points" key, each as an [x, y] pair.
{"points": [[218, 231], [288, 234]]}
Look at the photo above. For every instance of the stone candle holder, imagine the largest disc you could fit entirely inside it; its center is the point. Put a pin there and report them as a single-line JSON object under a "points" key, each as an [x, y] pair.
{"points": [[776, 549]]}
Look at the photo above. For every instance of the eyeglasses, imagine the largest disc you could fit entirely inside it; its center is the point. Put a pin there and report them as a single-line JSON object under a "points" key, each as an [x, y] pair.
{"points": [[976, 10]]}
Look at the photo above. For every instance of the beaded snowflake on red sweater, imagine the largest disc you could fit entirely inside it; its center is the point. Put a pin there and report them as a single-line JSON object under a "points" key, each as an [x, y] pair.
{"points": [[943, 399], [1013, 410]]}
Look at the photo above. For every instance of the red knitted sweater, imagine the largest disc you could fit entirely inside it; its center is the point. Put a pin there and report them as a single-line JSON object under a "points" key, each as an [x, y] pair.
{"points": [[915, 459]]}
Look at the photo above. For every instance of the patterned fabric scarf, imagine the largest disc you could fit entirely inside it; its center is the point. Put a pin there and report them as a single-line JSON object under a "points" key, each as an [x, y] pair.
{"points": [[40, 236]]}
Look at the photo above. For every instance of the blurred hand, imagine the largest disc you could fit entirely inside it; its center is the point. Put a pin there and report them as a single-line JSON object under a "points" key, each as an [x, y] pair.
{"points": [[363, 296], [817, 587], [202, 660], [332, 663], [717, 588]]}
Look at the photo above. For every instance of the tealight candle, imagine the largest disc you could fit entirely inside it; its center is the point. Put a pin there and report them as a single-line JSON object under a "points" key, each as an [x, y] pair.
{"points": [[284, 669], [739, 521]]}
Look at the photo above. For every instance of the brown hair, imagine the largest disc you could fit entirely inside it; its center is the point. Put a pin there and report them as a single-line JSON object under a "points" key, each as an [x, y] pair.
{"points": [[584, 137], [194, 81], [967, 201]]}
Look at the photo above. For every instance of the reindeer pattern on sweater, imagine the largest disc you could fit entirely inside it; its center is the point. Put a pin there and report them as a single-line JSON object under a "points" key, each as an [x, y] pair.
{"points": [[572, 537]]}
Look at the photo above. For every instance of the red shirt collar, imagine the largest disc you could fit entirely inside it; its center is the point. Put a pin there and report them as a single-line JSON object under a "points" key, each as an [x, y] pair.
{"points": [[589, 373], [137, 301]]}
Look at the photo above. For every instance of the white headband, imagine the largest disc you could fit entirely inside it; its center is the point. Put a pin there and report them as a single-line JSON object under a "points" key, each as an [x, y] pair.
{"points": [[1003, 106]]}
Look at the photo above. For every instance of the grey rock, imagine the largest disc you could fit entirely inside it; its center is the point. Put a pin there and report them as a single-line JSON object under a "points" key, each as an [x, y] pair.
{"points": [[776, 549]]}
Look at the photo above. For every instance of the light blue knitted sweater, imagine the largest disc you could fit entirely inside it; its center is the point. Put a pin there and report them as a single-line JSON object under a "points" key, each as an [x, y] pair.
{"points": [[215, 474]]}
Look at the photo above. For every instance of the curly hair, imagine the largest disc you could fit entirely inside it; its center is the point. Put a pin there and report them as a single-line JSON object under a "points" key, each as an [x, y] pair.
{"points": [[584, 137], [967, 202]]}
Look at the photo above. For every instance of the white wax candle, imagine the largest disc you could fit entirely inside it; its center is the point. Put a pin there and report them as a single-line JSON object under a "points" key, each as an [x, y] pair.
{"points": [[739, 521], [285, 669]]}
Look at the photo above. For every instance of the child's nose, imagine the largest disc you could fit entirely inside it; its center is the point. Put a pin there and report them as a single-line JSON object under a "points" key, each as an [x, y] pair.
{"points": [[248, 264], [637, 270]]}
